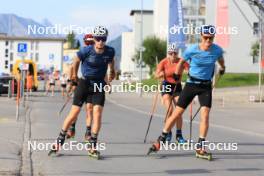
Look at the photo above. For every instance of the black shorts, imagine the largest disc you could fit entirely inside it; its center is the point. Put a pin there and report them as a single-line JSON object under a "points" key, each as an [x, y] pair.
{"points": [[204, 92], [170, 89], [52, 84], [85, 93], [63, 85]]}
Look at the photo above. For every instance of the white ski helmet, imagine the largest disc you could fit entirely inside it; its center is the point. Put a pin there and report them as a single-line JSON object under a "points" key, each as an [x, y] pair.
{"points": [[173, 48], [100, 31]]}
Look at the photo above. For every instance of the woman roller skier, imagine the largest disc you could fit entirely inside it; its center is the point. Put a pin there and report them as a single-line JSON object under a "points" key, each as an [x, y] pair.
{"points": [[171, 88]]}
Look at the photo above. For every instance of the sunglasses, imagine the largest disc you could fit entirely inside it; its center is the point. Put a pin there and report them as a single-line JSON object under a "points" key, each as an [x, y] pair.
{"points": [[171, 53], [208, 38], [98, 39]]}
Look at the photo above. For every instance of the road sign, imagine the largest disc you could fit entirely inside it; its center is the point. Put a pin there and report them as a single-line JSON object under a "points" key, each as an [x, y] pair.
{"points": [[51, 57], [22, 48], [24, 66]]}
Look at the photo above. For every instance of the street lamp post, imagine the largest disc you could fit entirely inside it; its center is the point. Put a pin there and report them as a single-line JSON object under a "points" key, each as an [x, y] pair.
{"points": [[141, 47]]}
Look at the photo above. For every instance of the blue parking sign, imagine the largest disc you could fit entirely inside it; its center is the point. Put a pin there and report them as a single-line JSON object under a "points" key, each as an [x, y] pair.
{"points": [[22, 48]]}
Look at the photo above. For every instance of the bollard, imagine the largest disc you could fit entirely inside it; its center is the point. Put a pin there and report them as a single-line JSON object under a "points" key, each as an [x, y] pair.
{"points": [[13, 88], [18, 100], [223, 102], [9, 89]]}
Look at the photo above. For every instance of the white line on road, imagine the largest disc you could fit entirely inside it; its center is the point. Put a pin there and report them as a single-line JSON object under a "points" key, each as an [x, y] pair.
{"points": [[186, 121]]}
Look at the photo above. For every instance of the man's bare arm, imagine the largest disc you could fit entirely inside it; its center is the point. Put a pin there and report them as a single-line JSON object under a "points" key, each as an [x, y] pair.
{"points": [[221, 62], [180, 67], [111, 67], [76, 63]]}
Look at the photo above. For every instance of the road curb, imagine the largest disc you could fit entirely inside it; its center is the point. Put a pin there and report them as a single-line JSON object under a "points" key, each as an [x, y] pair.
{"points": [[26, 165]]}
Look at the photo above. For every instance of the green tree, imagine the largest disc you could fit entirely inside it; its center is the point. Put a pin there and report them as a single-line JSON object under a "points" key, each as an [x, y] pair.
{"points": [[255, 51], [71, 40], [154, 48]]}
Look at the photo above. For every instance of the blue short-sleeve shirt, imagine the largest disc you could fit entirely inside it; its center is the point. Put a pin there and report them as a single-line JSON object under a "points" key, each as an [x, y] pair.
{"points": [[94, 65], [202, 63]]}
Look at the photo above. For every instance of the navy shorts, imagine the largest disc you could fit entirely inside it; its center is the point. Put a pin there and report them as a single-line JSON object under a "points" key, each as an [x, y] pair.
{"points": [[190, 90], [85, 93]]}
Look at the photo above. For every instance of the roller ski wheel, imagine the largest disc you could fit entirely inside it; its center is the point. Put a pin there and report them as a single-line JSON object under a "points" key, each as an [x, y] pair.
{"points": [[154, 148], [54, 149], [204, 155], [70, 134], [94, 154]]}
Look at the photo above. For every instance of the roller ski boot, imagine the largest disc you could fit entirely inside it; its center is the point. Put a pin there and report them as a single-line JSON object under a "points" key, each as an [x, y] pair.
{"points": [[88, 135], [201, 152], [180, 140], [71, 132], [93, 152], [60, 141], [169, 137]]}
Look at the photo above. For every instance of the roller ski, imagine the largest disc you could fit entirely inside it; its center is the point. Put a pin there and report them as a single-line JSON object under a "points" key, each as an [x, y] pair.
{"points": [[203, 155], [156, 146], [94, 154], [54, 149], [60, 141]]}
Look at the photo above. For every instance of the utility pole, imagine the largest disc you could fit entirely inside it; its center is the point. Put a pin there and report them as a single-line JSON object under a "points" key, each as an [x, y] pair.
{"points": [[260, 5], [141, 47]]}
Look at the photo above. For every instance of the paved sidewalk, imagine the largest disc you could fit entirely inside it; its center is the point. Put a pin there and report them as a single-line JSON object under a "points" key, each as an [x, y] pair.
{"points": [[11, 137]]}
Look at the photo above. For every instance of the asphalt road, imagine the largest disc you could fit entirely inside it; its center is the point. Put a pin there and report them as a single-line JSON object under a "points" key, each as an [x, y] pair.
{"points": [[124, 124]]}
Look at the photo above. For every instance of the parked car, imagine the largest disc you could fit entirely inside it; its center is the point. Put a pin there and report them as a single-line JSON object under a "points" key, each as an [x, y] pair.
{"points": [[4, 84], [128, 77]]}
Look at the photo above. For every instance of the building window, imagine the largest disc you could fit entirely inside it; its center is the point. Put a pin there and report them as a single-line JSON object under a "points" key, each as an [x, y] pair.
{"points": [[202, 7], [6, 43], [6, 64], [11, 68], [11, 57], [32, 45], [255, 28], [6, 52], [37, 57], [11, 45], [37, 45]]}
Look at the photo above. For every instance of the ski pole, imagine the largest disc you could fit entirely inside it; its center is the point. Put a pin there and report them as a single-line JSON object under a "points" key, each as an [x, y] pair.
{"points": [[151, 114], [190, 139], [64, 105], [167, 113]]}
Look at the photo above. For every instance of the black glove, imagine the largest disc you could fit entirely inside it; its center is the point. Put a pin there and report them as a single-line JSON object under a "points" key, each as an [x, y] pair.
{"points": [[176, 77], [74, 83], [222, 71]]}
